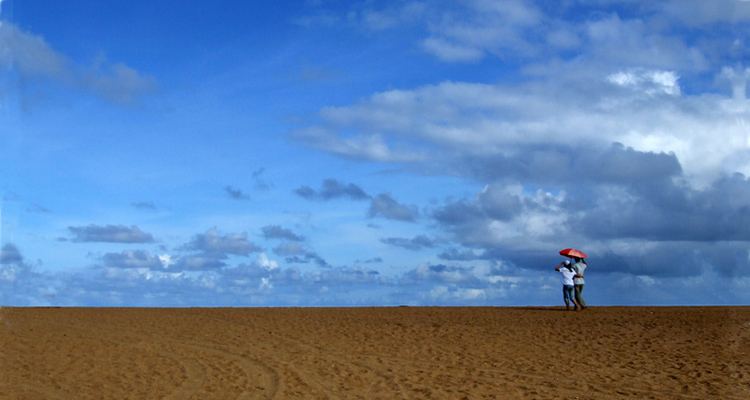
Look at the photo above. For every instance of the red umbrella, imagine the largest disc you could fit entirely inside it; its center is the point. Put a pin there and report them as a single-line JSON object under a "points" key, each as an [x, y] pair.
{"points": [[572, 253]]}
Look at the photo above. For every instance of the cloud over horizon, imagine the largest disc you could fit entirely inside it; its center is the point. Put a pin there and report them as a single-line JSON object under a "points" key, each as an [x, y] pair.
{"points": [[110, 234], [448, 173]]}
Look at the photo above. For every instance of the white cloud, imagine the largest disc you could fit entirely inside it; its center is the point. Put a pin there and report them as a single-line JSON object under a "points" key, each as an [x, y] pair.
{"points": [[451, 294], [641, 108], [519, 220], [700, 13], [650, 82], [263, 261], [646, 280], [441, 273], [166, 260], [132, 259], [117, 83], [483, 27], [738, 79], [265, 284], [110, 234], [634, 42], [371, 147], [452, 52], [32, 57], [384, 205], [391, 16], [232, 243]]}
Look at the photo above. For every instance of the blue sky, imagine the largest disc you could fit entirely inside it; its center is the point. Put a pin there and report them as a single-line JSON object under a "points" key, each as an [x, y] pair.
{"points": [[333, 153]]}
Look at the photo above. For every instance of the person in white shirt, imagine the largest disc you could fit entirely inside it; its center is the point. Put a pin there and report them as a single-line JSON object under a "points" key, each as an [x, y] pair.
{"points": [[568, 274]]}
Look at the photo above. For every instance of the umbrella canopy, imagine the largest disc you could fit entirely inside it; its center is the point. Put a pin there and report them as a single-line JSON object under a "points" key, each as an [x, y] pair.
{"points": [[572, 253]]}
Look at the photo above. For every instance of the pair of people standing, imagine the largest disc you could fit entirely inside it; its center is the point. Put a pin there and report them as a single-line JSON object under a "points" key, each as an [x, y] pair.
{"points": [[572, 280]]}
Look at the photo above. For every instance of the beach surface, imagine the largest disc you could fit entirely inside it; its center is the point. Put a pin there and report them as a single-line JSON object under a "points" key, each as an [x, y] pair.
{"points": [[375, 353]]}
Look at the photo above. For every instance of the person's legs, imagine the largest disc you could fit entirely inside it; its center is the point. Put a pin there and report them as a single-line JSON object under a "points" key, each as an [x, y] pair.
{"points": [[579, 298], [568, 296]]}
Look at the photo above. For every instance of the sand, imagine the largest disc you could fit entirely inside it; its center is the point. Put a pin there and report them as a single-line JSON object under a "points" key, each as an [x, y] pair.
{"points": [[375, 353]]}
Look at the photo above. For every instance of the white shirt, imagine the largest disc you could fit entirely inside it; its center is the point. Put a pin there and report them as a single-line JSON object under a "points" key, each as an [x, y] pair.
{"points": [[567, 276]]}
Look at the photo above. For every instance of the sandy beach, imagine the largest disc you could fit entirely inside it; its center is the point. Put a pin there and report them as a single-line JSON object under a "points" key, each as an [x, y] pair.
{"points": [[375, 353]]}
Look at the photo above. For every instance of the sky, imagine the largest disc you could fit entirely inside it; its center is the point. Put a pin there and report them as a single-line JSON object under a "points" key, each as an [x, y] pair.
{"points": [[373, 153]]}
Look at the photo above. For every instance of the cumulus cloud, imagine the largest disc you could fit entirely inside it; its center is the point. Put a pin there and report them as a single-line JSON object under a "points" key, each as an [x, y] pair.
{"points": [[389, 16], [235, 194], [32, 57], [333, 189], [297, 253], [10, 255], [441, 273], [345, 275], [110, 234], [132, 259], [385, 206], [166, 260], [674, 213], [277, 232], [632, 136], [632, 42], [199, 262], [266, 263], [307, 258], [450, 51], [459, 32], [231, 243], [19, 283], [737, 79], [265, 276], [117, 83], [141, 259], [461, 120], [332, 286], [472, 31], [369, 146], [627, 133], [697, 13], [416, 243], [252, 273], [484, 27], [649, 82], [454, 254], [453, 293]]}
